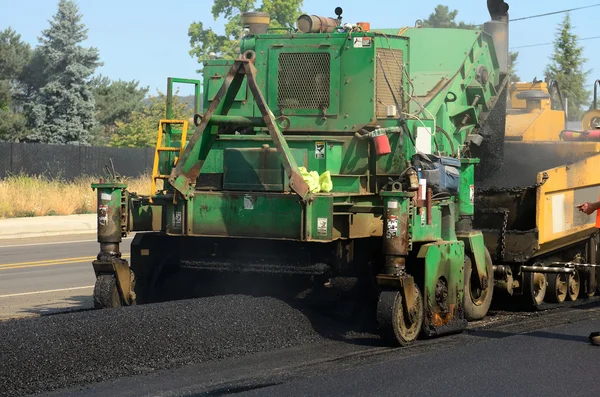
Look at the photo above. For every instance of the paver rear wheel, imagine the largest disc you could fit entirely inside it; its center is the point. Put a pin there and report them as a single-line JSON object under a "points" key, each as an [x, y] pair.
{"points": [[478, 301], [106, 292]]}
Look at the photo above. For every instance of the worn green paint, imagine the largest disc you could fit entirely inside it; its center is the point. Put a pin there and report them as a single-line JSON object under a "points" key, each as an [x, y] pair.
{"points": [[319, 218], [245, 215], [474, 244], [439, 64], [254, 169], [443, 260], [467, 187]]}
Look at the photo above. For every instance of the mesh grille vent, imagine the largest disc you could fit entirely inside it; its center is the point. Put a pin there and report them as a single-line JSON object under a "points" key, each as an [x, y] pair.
{"points": [[390, 83], [304, 81]]}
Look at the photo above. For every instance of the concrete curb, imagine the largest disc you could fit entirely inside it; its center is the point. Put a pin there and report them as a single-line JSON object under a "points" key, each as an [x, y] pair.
{"points": [[44, 226]]}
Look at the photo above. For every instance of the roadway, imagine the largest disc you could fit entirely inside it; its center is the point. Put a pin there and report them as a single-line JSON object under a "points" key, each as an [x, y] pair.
{"points": [[507, 354], [48, 275]]}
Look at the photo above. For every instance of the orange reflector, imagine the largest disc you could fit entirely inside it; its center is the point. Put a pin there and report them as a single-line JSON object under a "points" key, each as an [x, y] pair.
{"points": [[365, 26]]}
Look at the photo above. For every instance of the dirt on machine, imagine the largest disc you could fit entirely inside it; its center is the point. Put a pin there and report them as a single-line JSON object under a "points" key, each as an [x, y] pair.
{"points": [[358, 161]]}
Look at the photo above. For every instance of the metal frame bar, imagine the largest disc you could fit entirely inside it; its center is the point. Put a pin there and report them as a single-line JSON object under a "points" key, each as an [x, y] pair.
{"points": [[188, 169]]}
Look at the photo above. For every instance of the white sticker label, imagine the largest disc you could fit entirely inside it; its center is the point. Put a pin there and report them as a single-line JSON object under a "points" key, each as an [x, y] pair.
{"points": [[322, 226], [319, 150], [392, 227], [472, 194], [422, 217], [177, 220], [362, 42], [393, 204], [424, 140], [102, 215], [248, 202], [105, 196]]}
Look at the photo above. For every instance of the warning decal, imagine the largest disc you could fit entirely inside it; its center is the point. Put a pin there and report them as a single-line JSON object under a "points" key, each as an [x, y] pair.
{"points": [[322, 226], [362, 42], [319, 150], [392, 227]]}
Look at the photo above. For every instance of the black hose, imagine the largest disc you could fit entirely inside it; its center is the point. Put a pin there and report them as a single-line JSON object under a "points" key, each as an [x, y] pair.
{"points": [[452, 148]]}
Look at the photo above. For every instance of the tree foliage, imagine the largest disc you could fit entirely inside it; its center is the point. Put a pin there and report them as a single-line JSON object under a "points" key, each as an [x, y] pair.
{"points": [[566, 67], [512, 66], [62, 110], [141, 130], [442, 17], [115, 102], [14, 56], [205, 40]]}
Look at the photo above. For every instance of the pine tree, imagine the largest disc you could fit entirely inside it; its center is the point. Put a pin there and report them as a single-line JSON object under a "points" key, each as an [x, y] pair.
{"points": [[566, 68], [14, 55], [63, 108]]}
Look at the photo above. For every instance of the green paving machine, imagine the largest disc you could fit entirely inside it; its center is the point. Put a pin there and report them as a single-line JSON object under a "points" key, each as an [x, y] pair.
{"points": [[324, 151]]}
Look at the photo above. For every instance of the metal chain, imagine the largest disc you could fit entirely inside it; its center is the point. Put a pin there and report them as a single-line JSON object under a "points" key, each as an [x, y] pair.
{"points": [[503, 235], [505, 212]]}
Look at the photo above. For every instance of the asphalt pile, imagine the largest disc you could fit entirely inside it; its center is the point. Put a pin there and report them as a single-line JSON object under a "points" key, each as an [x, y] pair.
{"points": [[58, 351]]}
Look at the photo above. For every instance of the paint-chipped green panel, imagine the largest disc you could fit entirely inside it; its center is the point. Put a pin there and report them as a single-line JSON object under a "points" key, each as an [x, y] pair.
{"points": [[443, 270], [246, 215], [319, 218], [422, 231], [474, 243]]}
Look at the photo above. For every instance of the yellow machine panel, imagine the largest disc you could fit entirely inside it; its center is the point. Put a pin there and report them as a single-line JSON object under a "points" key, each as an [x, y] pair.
{"points": [[530, 116], [558, 220]]}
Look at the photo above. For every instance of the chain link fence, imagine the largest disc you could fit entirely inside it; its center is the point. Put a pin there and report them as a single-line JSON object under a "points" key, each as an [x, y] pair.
{"points": [[69, 162]]}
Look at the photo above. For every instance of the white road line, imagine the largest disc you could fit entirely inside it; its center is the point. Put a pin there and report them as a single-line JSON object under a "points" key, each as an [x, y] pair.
{"points": [[45, 292], [55, 243]]}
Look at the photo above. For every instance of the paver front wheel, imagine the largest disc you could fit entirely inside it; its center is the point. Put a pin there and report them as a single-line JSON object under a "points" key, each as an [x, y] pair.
{"points": [[106, 292], [397, 326]]}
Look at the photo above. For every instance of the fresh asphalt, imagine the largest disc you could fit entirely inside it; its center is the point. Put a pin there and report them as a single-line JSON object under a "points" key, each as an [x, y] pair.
{"points": [[518, 354]]}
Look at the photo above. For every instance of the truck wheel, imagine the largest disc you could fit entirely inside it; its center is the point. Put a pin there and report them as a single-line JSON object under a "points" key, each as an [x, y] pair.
{"points": [[477, 301], [106, 293]]}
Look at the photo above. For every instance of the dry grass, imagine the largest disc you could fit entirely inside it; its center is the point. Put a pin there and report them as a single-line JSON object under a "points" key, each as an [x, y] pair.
{"points": [[26, 196]]}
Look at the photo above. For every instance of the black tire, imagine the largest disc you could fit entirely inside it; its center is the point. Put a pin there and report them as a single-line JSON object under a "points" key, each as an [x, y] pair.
{"points": [[477, 303], [556, 291], [535, 286], [394, 328], [106, 292]]}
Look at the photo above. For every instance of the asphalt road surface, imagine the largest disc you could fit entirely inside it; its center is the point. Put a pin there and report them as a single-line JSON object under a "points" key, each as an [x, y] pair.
{"points": [[534, 354], [47, 275], [186, 349]]}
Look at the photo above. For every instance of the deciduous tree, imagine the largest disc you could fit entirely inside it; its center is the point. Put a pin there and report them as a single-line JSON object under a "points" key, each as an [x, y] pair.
{"points": [[115, 102], [141, 130], [205, 41]]}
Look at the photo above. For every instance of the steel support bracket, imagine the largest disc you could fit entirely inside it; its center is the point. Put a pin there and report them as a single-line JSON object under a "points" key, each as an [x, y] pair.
{"points": [[188, 168]]}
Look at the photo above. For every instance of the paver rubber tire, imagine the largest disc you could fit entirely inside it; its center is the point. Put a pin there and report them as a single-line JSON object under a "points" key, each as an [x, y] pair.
{"points": [[477, 303], [106, 292]]}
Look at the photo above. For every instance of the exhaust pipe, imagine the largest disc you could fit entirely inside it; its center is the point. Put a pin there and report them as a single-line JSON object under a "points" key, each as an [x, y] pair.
{"points": [[498, 29]]}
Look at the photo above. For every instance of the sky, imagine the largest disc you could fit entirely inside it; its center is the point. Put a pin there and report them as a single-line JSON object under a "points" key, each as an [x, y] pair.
{"points": [[147, 40]]}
